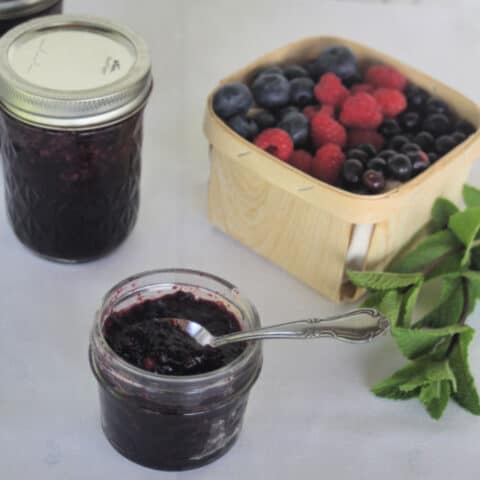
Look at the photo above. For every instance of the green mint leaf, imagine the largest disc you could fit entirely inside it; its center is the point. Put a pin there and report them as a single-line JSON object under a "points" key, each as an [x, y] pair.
{"points": [[466, 394], [435, 397], [452, 263], [408, 305], [383, 280], [442, 210], [408, 381], [390, 387], [450, 306], [465, 225], [473, 279], [374, 299], [428, 371], [471, 196], [475, 258], [388, 302], [414, 343], [430, 249]]}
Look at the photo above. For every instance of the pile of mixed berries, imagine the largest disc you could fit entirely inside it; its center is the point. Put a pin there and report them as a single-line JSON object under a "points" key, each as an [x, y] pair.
{"points": [[362, 131]]}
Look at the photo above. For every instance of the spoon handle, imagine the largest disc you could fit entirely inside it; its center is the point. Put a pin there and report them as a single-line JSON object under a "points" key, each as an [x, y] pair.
{"points": [[356, 326]]}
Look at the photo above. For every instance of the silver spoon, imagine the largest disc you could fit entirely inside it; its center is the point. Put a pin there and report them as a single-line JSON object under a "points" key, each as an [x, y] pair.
{"points": [[358, 326]]}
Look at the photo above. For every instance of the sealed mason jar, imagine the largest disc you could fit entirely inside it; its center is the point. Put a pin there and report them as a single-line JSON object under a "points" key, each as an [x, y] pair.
{"points": [[14, 12], [72, 90], [172, 422]]}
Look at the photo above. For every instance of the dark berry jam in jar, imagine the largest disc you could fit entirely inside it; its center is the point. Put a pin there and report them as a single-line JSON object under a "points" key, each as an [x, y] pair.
{"points": [[165, 402], [14, 12], [73, 92]]}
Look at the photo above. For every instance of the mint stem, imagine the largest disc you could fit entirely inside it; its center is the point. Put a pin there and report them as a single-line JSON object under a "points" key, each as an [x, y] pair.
{"points": [[463, 316]]}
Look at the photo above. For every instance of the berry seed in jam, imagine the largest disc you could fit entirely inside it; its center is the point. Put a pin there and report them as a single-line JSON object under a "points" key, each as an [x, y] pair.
{"points": [[140, 337]]}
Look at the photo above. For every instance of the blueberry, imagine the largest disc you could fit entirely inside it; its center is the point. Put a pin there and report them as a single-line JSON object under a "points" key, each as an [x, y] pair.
{"points": [[411, 121], [416, 97], [368, 148], [386, 154], [432, 156], [264, 119], [437, 124], [245, 127], [397, 142], [301, 91], [390, 128], [374, 180], [459, 137], [232, 99], [435, 105], [466, 127], [297, 126], [410, 147], [425, 140], [271, 90], [295, 71], [266, 70], [358, 154], [377, 163], [285, 111], [336, 59], [420, 162], [352, 170], [400, 167], [444, 144]]}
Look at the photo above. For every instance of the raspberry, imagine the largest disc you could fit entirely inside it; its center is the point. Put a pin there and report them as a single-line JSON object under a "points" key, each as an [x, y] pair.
{"points": [[330, 90], [359, 136], [277, 142], [325, 129], [387, 77], [327, 163], [302, 160], [391, 101], [362, 87], [312, 110], [361, 111]]}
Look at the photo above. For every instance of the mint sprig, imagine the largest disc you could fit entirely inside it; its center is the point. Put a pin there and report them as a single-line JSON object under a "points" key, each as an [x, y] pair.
{"points": [[437, 344]]}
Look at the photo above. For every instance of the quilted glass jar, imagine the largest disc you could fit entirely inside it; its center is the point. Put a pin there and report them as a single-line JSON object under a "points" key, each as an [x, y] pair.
{"points": [[73, 92]]}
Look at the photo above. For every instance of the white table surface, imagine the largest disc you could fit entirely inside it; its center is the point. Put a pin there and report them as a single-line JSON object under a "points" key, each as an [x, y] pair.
{"points": [[311, 414]]}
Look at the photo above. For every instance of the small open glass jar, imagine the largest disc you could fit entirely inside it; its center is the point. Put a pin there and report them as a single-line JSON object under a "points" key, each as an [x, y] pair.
{"points": [[164, 421], [14, 12], [73, 90]]}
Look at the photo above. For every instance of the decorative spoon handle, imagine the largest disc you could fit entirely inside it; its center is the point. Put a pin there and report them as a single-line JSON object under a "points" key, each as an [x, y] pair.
{"points": [[358, 326]]}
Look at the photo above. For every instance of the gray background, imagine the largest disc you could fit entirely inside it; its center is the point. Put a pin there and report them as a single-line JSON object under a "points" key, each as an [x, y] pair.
{"points": [[310, 414]]}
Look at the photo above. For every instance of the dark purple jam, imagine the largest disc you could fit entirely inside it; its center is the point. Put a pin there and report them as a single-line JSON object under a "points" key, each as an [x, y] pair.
{"points": [[141, 338], [72, 195], [169, 429], [8, 23]]}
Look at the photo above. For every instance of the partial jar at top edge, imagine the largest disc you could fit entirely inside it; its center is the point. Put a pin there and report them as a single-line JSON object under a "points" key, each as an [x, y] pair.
{"points": [[71, 141], [15, 12]]}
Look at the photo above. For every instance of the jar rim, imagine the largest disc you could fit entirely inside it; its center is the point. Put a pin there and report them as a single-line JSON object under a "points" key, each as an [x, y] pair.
{"points": [[210, 378]]}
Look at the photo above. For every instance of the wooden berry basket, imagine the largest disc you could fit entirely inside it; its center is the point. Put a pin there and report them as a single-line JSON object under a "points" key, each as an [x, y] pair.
{"points": [[311, 229]]}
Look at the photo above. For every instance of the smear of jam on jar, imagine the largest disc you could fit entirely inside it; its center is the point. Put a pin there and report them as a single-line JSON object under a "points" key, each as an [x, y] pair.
{"points": [[72, 195], [140, 337]]}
